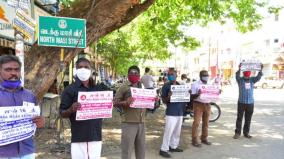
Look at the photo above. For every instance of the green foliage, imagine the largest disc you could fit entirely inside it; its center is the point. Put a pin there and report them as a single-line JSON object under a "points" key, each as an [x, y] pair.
{"points": [[150, 35], [116, 49]]}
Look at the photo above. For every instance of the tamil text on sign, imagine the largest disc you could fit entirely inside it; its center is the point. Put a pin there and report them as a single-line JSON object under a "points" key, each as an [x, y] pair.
{"points": [[143, 98], [62, 32], [209, 93], [16, 123], [180, 93], [250, 66], [95, 105]]}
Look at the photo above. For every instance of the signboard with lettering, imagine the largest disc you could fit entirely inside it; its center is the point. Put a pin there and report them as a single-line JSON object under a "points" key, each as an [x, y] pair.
{"points": [[16, 123], [250, 65], [23, 4], [24, 24], [94, 105], [180, 93], [7, 15], [143, 98], [62, 32]]}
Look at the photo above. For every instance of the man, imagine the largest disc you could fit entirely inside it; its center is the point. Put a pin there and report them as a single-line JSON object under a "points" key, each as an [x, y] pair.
{"points": [[147, 80], [201, 109], [133, 119], [13, 94], [245, 101], [183, 79], [86, 135], [174, 117]]}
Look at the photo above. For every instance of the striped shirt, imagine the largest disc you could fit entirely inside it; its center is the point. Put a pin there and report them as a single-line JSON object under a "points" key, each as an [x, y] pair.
{"points": [[246, 88]]}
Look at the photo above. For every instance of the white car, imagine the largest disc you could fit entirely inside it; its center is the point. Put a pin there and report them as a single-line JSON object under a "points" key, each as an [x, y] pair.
{"points": [[269, 82]]}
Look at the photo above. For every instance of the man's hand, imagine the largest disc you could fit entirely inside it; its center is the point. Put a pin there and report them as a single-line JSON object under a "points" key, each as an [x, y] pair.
{"points": [[39, 121], [74, 107], [170, 94], [129, 101]]}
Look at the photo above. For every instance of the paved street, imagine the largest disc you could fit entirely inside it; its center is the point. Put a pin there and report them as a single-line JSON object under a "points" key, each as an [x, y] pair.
{"points": [[267, 129]]}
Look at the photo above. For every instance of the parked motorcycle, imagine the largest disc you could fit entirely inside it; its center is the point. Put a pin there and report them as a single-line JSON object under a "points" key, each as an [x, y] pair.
{"points": [[215, 111]]}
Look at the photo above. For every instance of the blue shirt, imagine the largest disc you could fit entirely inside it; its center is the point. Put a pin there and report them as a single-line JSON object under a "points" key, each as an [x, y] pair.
{"points": [[246, 88], [173, 109], [16, 98]]}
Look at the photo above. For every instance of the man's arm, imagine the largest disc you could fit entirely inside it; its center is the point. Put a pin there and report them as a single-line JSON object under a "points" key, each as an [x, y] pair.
{"points": [[259, 75], [118, 99], [166, 93], [67, 107]]}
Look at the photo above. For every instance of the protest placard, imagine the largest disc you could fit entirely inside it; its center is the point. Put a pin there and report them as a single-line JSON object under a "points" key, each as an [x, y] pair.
{"points": [[95, 105], [143, 98], [180, 93], [209, 93], [250, 65], [16, 123]]}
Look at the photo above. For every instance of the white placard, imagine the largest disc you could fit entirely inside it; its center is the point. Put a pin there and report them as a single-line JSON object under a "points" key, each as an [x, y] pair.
{"points": [[180, 93], [95, 105], [16, 123], [143, 98]]}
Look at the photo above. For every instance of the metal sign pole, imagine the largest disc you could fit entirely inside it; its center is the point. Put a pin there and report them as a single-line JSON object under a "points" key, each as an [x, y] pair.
{"points": [[19, 49]]}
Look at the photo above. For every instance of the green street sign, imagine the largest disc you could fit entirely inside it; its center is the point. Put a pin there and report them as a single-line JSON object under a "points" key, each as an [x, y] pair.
{"points": [[62, 32]]}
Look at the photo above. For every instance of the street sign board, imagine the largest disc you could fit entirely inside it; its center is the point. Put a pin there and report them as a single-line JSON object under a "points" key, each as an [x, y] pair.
{"points": [[62, 32], [24, 24]]}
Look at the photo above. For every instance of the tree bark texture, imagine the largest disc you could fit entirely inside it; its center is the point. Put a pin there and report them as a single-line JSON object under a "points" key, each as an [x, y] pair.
{"points": [[42, 64]]}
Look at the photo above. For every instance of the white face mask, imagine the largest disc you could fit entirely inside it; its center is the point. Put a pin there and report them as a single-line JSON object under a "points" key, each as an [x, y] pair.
{"points": [[83, 74]]}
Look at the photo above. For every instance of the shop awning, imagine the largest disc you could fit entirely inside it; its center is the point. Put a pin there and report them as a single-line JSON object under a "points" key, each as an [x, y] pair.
{"points": [[11, 44]]}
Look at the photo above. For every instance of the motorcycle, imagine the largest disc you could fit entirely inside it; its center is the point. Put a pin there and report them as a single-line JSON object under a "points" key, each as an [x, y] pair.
{"points": [[215, 111]]}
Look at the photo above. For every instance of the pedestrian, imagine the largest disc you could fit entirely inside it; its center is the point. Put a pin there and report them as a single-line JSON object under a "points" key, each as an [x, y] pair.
{"points": [[245, 101], [183, 79], [12, 94], [133, 119], [174, 117], [86, 135], [147, 79], [202, 110]]}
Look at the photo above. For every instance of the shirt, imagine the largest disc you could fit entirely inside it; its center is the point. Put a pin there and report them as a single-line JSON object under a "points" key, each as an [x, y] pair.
{"points": [[83, 130], [16, 98], [147, 81], [173, 109], [196, 86], [130, 115], [246, 88]]}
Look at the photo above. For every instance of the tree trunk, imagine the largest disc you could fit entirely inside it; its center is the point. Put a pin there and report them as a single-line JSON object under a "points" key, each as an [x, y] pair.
{"points": [[42, 64]]}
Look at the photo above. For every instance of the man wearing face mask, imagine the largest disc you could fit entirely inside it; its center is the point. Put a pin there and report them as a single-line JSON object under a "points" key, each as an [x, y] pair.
{"points": [[174, 117], [245, 101], [201, 109], [13, 94], [86, 135], [133, 119]]}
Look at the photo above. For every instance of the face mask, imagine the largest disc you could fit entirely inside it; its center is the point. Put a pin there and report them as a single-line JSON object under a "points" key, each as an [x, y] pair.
{"points": [[171, 77], [11, 84], [204, 78], [83, 74], [133, 78], [246, 74]]}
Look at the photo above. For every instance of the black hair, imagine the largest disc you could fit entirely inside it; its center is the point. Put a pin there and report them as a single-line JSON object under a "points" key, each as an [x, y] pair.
{"points": [[9, 58], [202, 72], [134, 68], [147, 69], [82, 59], [183, 76]]}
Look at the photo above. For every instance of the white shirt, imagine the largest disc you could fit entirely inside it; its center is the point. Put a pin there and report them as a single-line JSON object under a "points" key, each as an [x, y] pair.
{"points": [[195, 87], [147, 81]]}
